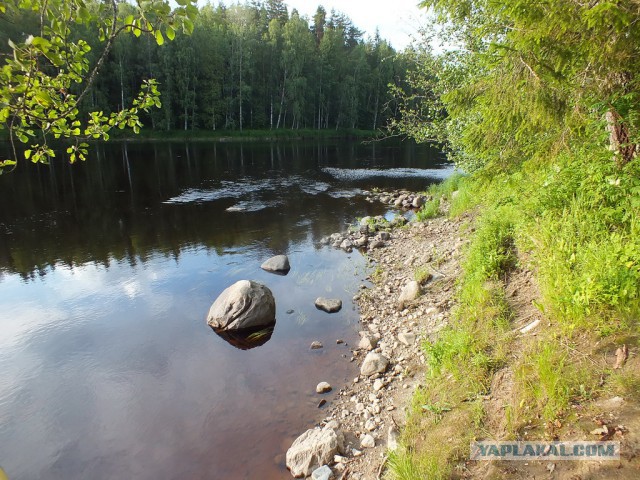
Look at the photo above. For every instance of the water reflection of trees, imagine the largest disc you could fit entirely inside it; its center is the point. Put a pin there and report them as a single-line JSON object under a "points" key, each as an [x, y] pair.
{"points": [[111, 208]]}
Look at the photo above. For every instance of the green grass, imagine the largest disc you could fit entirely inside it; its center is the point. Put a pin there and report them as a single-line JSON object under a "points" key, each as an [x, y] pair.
{"points": [[573, 221]]}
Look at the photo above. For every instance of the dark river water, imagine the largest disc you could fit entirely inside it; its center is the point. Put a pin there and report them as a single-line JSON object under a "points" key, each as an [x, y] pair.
{"points": [[107, 272]]}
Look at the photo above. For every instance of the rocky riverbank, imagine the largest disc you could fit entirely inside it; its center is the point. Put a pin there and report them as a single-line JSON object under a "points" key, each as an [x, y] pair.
{"points": [[413, 269]]}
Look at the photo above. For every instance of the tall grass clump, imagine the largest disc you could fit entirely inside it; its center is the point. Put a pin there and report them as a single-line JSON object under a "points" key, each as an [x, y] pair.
{"points": [[585, 230], [440, 192]]}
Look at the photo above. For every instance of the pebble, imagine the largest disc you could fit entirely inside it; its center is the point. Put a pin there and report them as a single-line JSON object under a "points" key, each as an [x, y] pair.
{"points": [[367, 441], [322, 473], [316, 346], [406, 338], [323, 387], [370, 425]]}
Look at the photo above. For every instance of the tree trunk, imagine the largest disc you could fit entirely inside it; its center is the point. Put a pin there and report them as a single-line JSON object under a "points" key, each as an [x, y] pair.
{"points": [[619, 141]]}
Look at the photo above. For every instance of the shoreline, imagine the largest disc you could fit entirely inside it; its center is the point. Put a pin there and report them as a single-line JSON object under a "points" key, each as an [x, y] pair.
{"points": [[374, 407]]}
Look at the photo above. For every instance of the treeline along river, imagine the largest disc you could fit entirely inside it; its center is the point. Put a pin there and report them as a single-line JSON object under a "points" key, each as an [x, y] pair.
{"points": [[107, 271]]}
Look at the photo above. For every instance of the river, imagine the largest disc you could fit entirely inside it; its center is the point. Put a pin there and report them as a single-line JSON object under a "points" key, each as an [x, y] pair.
{"points": [[108, 269]]}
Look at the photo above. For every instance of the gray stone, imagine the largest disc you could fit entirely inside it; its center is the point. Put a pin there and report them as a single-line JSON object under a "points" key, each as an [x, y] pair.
{"points": [[368, 341], [384, 236], [410, 292], [376, 244], [399, 200], [316, 346], [313, 449], [361, 242], [367, 441], [374, 363], [407, 338], [370, 425], [392, 439], [322, 473], [329, 305], [418, 201], [277, 264], [323, 387], [378, 384], [245, 304], [346, 244]]}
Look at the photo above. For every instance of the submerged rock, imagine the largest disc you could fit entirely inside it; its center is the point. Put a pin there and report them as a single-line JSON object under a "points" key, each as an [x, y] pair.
{"points": [[245, 304], [329, 305], [278, 264]]}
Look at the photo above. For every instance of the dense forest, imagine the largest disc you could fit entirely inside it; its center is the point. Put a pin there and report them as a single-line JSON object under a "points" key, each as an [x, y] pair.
{"points": [[246, 66]]}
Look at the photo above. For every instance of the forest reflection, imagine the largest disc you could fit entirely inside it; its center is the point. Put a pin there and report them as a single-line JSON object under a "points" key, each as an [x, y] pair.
{"points": [[132, 201]]}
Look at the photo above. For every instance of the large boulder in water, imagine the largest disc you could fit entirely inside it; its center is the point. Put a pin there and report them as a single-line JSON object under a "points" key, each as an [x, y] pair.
{"points": [[245, 304]]}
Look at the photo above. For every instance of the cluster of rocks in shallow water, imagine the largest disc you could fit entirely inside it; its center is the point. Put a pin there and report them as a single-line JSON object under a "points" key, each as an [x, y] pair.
{"points": [[400, 199], [370, 233]]}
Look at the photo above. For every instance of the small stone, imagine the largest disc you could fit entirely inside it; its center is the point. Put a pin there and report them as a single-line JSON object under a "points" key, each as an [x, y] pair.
{"points": [[316, 346], [374, 363], [339, 341], [392, 439], [378, 385], [323, 387], [329, 305], [278, 264], [346, 245], [368, 341], [361, 242], [367, 441], [289, 312], [356, 453], [418, 202], [406, 338], [340, 459], [600, 431], [370, 425], [410, 292], [322, 473]]}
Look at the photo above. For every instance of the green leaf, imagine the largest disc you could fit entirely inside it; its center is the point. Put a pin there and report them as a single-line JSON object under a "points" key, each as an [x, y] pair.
{"points": [[27, 154], [159, 37], [83, 14], [171, 33]]}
